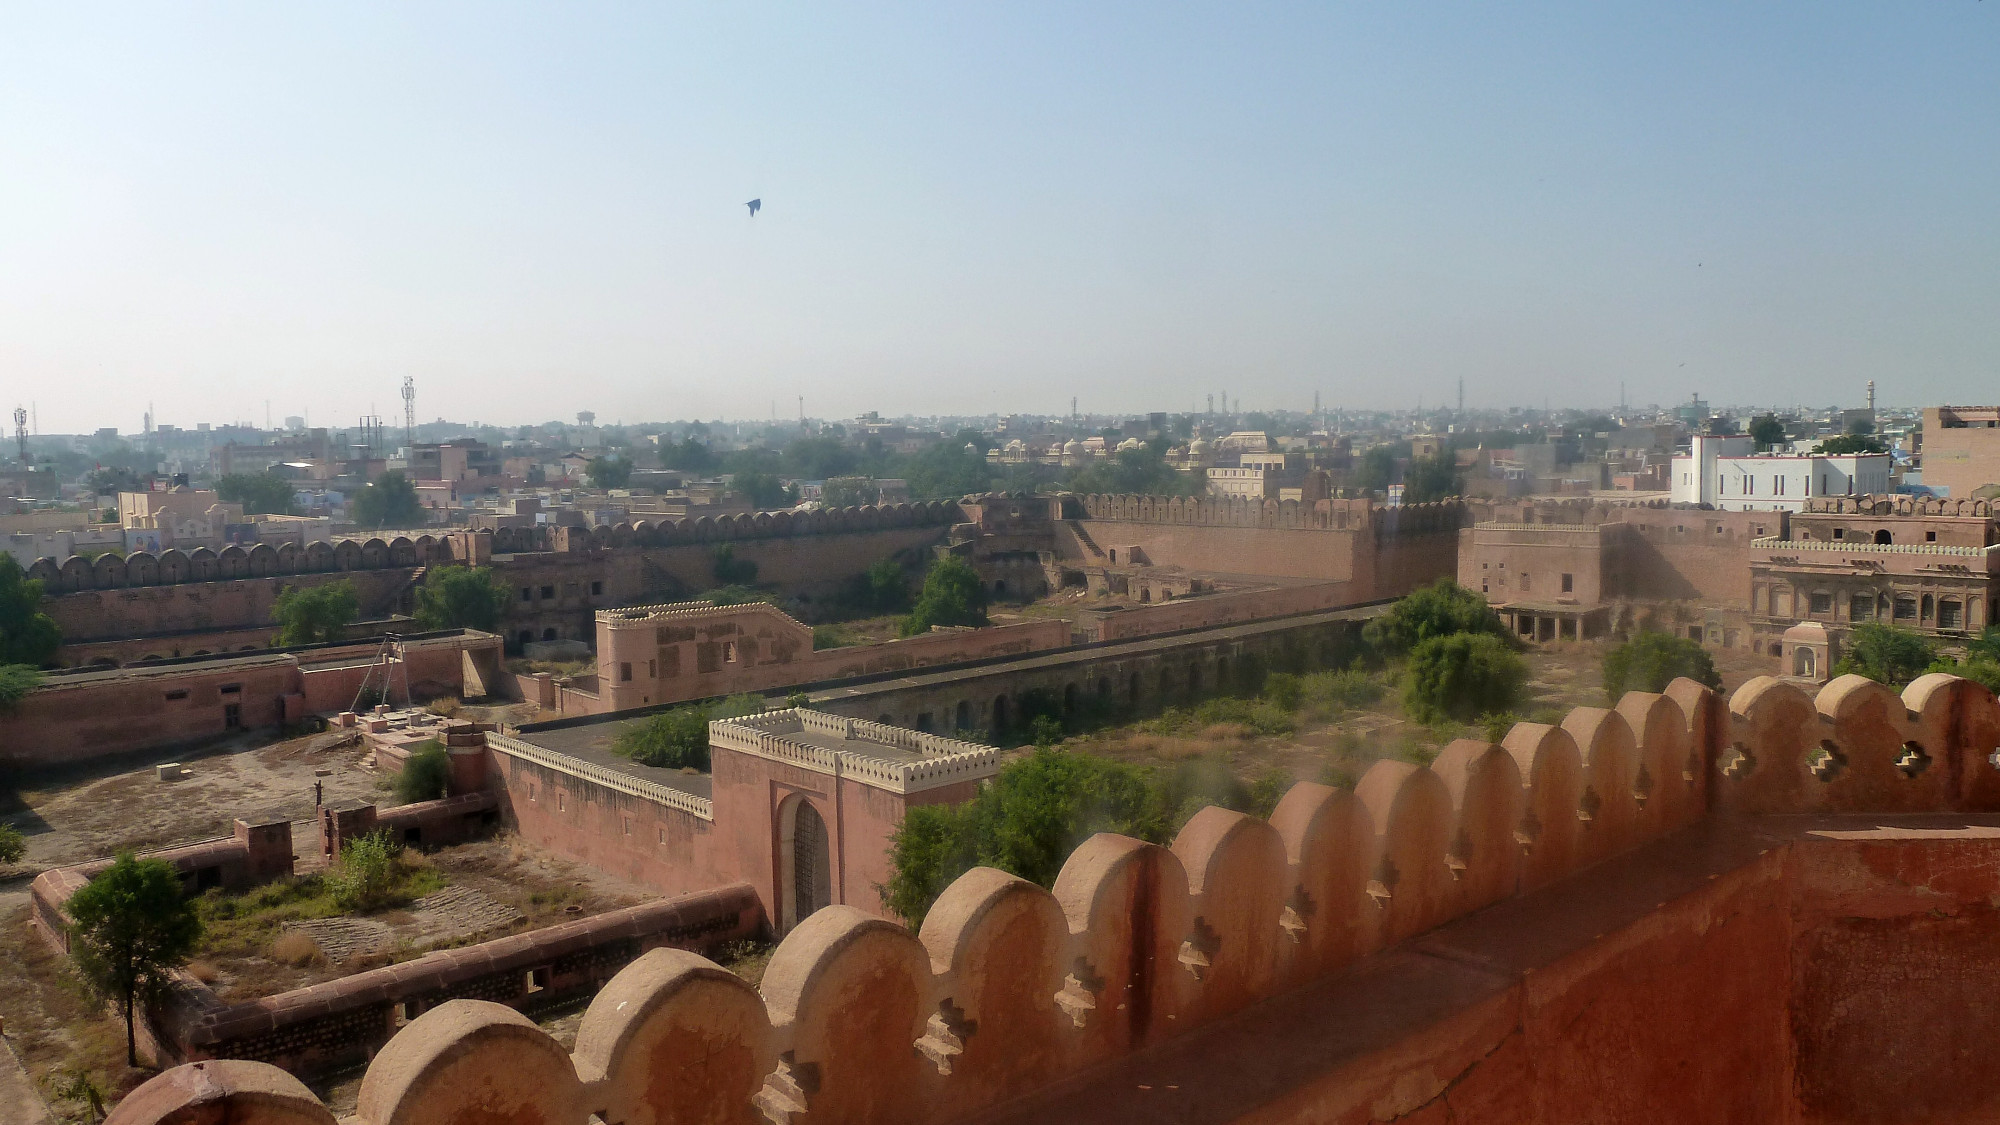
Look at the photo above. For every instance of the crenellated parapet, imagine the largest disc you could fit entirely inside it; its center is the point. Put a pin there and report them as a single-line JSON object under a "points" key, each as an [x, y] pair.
{"points": [[1901, 505], [1238, 511], [425, 548]]}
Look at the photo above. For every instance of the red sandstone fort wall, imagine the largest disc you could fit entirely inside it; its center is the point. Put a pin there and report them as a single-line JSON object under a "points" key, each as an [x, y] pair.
{"points": [[1210, 610]]}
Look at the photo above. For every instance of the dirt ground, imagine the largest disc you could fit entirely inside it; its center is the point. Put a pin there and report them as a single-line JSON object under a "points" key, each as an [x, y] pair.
{"points": [[1337, 751]]}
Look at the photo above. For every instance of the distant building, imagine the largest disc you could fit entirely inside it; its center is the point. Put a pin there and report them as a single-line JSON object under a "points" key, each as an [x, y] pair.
{"points": [[1727, 473], [1961, 449], [178, 517]]}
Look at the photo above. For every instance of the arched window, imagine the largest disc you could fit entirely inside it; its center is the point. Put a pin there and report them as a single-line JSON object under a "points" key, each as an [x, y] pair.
{"points": [[1802, 662], [1883, 536]]}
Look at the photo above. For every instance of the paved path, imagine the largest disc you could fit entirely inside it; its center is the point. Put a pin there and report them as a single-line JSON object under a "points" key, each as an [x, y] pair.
{"points": [[19, 1103]]}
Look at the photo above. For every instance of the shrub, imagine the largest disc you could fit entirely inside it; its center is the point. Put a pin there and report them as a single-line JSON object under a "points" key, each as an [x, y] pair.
{"points": [[678, 738], [1284, 689], [312, 614], [1463, 675], [12, 846], [732, 571], [296, 948], [1435, 611], [1651, 661], [952, 595], [367, 875], [425, 775]]}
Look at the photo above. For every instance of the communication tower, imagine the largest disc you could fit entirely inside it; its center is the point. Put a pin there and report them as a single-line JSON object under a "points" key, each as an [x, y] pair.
{"points": [[21, 431], [410, 411]]}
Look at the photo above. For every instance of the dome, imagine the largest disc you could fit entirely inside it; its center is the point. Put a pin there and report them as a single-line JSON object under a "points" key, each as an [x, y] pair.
{"points": [[1072, 447], [1198, 448], [1128, 443]]}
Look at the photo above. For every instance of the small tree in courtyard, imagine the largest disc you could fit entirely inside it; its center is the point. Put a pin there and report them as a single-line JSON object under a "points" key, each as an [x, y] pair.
{"points": [[460, 597], [311, 614], [1437, 610], [952, 595], [1887, 654], [12, 845], [425, 774], [130, 927], [1651, 661]]}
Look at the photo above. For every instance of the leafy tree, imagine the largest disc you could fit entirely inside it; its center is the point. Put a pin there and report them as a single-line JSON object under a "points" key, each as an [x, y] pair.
{"points": [[390, 502], [1851, 443], [259, 493], [1887, 654], [27, 635], [952, 595], [849, 492], [689, 456], [1651, 661], [885, 588], [16, 681], [609, 472], [1376, 470], [678, 738], [765, 490], [12, 845], [1033, 814], [1859, 427], [311, 614], [113, 478], [130, 927], [460, 597], [1433, 478], [1143, 471], [1462, 676], [1437, 610], [1986, 644], [819, 458], [1977, 667], [732, 571], [1767, 431], [946, 471], [426, 773]]}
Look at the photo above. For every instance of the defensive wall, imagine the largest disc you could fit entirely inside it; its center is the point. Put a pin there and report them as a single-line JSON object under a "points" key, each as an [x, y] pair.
{"points": [[80, 714], [1208, 610], [566, 572], [1380, 552], [1778, 909]]}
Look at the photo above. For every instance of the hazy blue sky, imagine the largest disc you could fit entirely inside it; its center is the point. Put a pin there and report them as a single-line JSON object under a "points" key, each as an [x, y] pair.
{"points": [[539, 209]]}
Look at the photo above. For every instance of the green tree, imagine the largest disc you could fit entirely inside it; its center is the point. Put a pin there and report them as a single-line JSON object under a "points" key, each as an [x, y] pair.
{"points": [[1977, 667], [1859, 427], [1463, 676], [259, 493], [1433, 478], [390, 502], [460, 597], [370, 867], [112, 478], [765, 490], [1376, 470], [1767, 431], [1437, 610], [1143, 471], [678, 738], [947, 471], [689, 456], [311, 614], [12, 845], [1850, 443], [819, 458], [129, 928], [732, 571], [1986, 644], [886, 588], [952, 595], [609, 472], [426, 773], [1887, 654], [849, 492], [78, 1086], [1651, 661], [27, 635]]}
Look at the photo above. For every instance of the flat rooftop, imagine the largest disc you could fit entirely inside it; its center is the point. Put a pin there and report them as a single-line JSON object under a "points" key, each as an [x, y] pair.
{"points": [[592, 743]]}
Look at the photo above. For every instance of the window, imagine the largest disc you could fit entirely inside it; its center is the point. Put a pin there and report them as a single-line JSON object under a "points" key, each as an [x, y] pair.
{"points": [[1948, 614], [1777, 485], [628, 825], [232, 689], [1485, 587], [1822, 603], [1568, 583], [1930, 536], [177, 693], [527, 593], [652, 669], [548, 592], [596, 589], [624, 672], [1524, 581], [1861, 607], [562, 801], [729, 652], [1840, 533], [1906, 609]]}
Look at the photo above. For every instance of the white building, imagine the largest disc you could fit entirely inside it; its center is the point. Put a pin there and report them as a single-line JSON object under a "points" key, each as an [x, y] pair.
{"points": [[1727, 473]]}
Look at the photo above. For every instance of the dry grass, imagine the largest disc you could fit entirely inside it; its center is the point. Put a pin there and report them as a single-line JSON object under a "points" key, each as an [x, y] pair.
{"points": [[202, 971], [297, 949], [51, 1023], [444, 705]]}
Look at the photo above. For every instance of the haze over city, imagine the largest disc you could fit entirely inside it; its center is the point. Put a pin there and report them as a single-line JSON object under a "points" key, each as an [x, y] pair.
{"points": [[984, 211]]}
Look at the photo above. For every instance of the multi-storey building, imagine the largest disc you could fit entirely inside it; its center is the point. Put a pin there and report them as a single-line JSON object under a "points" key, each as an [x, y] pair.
{"points": [[1961, 449], [1850, 562], [1729, 474]]}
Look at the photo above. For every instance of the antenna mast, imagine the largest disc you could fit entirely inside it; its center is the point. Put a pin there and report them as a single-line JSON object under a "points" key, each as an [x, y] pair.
{"points": [[21, 431], [410, 412]]}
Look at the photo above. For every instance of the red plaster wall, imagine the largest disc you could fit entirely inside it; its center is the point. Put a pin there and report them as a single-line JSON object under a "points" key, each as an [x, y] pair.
{"points": [[59, 723], [97, 615], [672, 851], [1277, 552]]}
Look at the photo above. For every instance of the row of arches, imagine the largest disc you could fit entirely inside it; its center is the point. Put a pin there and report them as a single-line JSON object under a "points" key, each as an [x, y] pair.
{"points": [[1946, 611]]}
